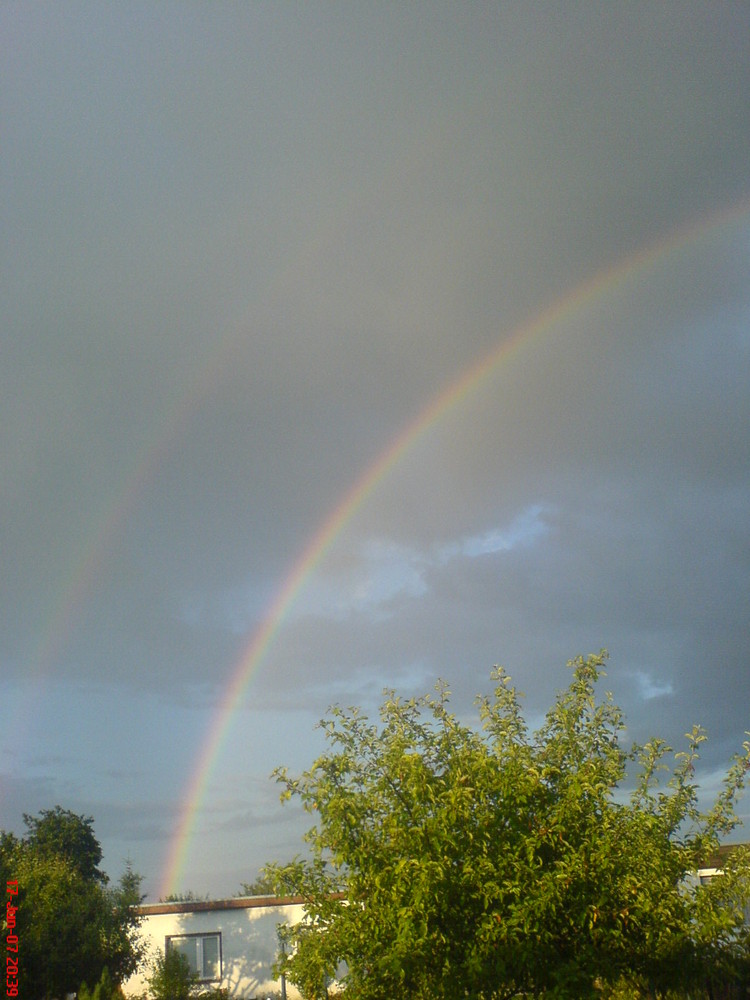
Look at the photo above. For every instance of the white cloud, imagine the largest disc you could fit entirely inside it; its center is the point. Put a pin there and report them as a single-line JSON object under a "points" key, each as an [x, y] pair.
{"points": [[524, 530], [649, 687], [380, 572], [384, 570]]}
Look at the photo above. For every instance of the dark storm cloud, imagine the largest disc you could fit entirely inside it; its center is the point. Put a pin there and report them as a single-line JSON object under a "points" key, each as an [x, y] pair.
{"points": [[244, 248]]}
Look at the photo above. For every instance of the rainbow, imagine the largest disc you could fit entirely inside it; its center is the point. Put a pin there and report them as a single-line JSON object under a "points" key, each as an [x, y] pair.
{"points": [[442, 404], [105, 529]]}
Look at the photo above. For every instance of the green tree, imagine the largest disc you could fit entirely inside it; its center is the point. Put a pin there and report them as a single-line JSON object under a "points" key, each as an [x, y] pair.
{"points": [[171, 978], [450, 862], [61, 833], [262, 885], [71, 925], [184, 896], [105, 989]]}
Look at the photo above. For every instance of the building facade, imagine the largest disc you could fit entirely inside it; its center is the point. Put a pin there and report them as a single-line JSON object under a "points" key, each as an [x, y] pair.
{"points": [[229, 943]]}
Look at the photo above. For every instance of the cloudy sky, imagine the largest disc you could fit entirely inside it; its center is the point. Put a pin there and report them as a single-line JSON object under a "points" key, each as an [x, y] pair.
{"points": [[248, 251]]}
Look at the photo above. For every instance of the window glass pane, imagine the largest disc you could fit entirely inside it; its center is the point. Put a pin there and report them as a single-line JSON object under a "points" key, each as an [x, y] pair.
{"points": [[211, 957], [189, 948]]}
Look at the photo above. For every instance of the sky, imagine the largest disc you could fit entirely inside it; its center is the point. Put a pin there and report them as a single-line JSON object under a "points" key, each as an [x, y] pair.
{"points": [[350, 347]]}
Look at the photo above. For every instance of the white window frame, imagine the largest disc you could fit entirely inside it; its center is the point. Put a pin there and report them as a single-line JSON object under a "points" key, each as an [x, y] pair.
{"points": [[199, 938]]}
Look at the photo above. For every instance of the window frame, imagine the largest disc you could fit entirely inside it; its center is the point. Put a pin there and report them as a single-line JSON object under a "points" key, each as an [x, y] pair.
{"points": [[201, 935]]}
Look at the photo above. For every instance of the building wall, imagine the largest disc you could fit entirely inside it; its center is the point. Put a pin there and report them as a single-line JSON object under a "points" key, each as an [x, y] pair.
{"points": [[249, 940]]}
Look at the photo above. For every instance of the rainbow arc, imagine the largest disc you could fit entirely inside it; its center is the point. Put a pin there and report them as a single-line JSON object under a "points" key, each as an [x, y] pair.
{"points": [[446, 401]]}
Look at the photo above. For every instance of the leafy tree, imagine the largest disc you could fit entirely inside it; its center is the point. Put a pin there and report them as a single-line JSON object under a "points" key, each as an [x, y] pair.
{"points": [[59, 832], [105, 989], [70, 923], [125, 950], [447, 862], [186, 896], [262, 885], [171, 977]]}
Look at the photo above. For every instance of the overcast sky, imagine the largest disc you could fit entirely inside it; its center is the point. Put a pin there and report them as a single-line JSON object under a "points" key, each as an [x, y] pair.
{"points": [[244, 247]]}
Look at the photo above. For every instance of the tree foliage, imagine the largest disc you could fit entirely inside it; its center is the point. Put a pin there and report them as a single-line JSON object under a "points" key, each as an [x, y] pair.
{"points": [[183, 896], [171, 977], [61, 833], [69, 923], [450, 862], [105, 989], [261, 885]]}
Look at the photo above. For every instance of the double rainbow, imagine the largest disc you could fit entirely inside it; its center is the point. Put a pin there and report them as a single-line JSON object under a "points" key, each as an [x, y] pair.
{"points": [[439, 407]]}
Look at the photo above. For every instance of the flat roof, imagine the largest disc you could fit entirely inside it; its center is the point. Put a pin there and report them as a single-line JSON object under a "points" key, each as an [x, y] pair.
{"points": [[201, 905]]}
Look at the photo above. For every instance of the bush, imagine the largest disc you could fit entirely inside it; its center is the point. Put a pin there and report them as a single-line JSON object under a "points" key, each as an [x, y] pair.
{"points": [[171, 978], [105, 989]]}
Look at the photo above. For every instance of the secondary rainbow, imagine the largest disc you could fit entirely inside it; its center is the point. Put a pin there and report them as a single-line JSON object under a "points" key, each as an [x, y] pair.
{"points": [[104, 531], [443, 403]]}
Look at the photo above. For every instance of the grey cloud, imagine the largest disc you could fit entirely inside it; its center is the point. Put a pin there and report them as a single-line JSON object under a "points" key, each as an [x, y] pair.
{"points": [[245, 248]]}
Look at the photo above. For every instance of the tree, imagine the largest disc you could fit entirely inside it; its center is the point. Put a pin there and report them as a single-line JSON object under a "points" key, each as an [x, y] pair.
{"points": [[71, 925], [185, 896], [61, 833], [447, 862], [105, 989], [171, 978], [262, 885]]}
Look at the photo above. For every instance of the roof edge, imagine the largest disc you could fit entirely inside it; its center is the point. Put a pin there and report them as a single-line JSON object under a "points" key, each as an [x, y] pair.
{"points": [[203, 905]]}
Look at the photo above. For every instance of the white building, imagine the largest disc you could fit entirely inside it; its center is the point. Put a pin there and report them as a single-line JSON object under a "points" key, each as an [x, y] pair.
{"points": [[231, 943]]}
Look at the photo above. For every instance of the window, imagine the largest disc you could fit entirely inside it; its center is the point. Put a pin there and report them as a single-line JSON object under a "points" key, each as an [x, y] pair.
{"points": [[203, 952]]}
